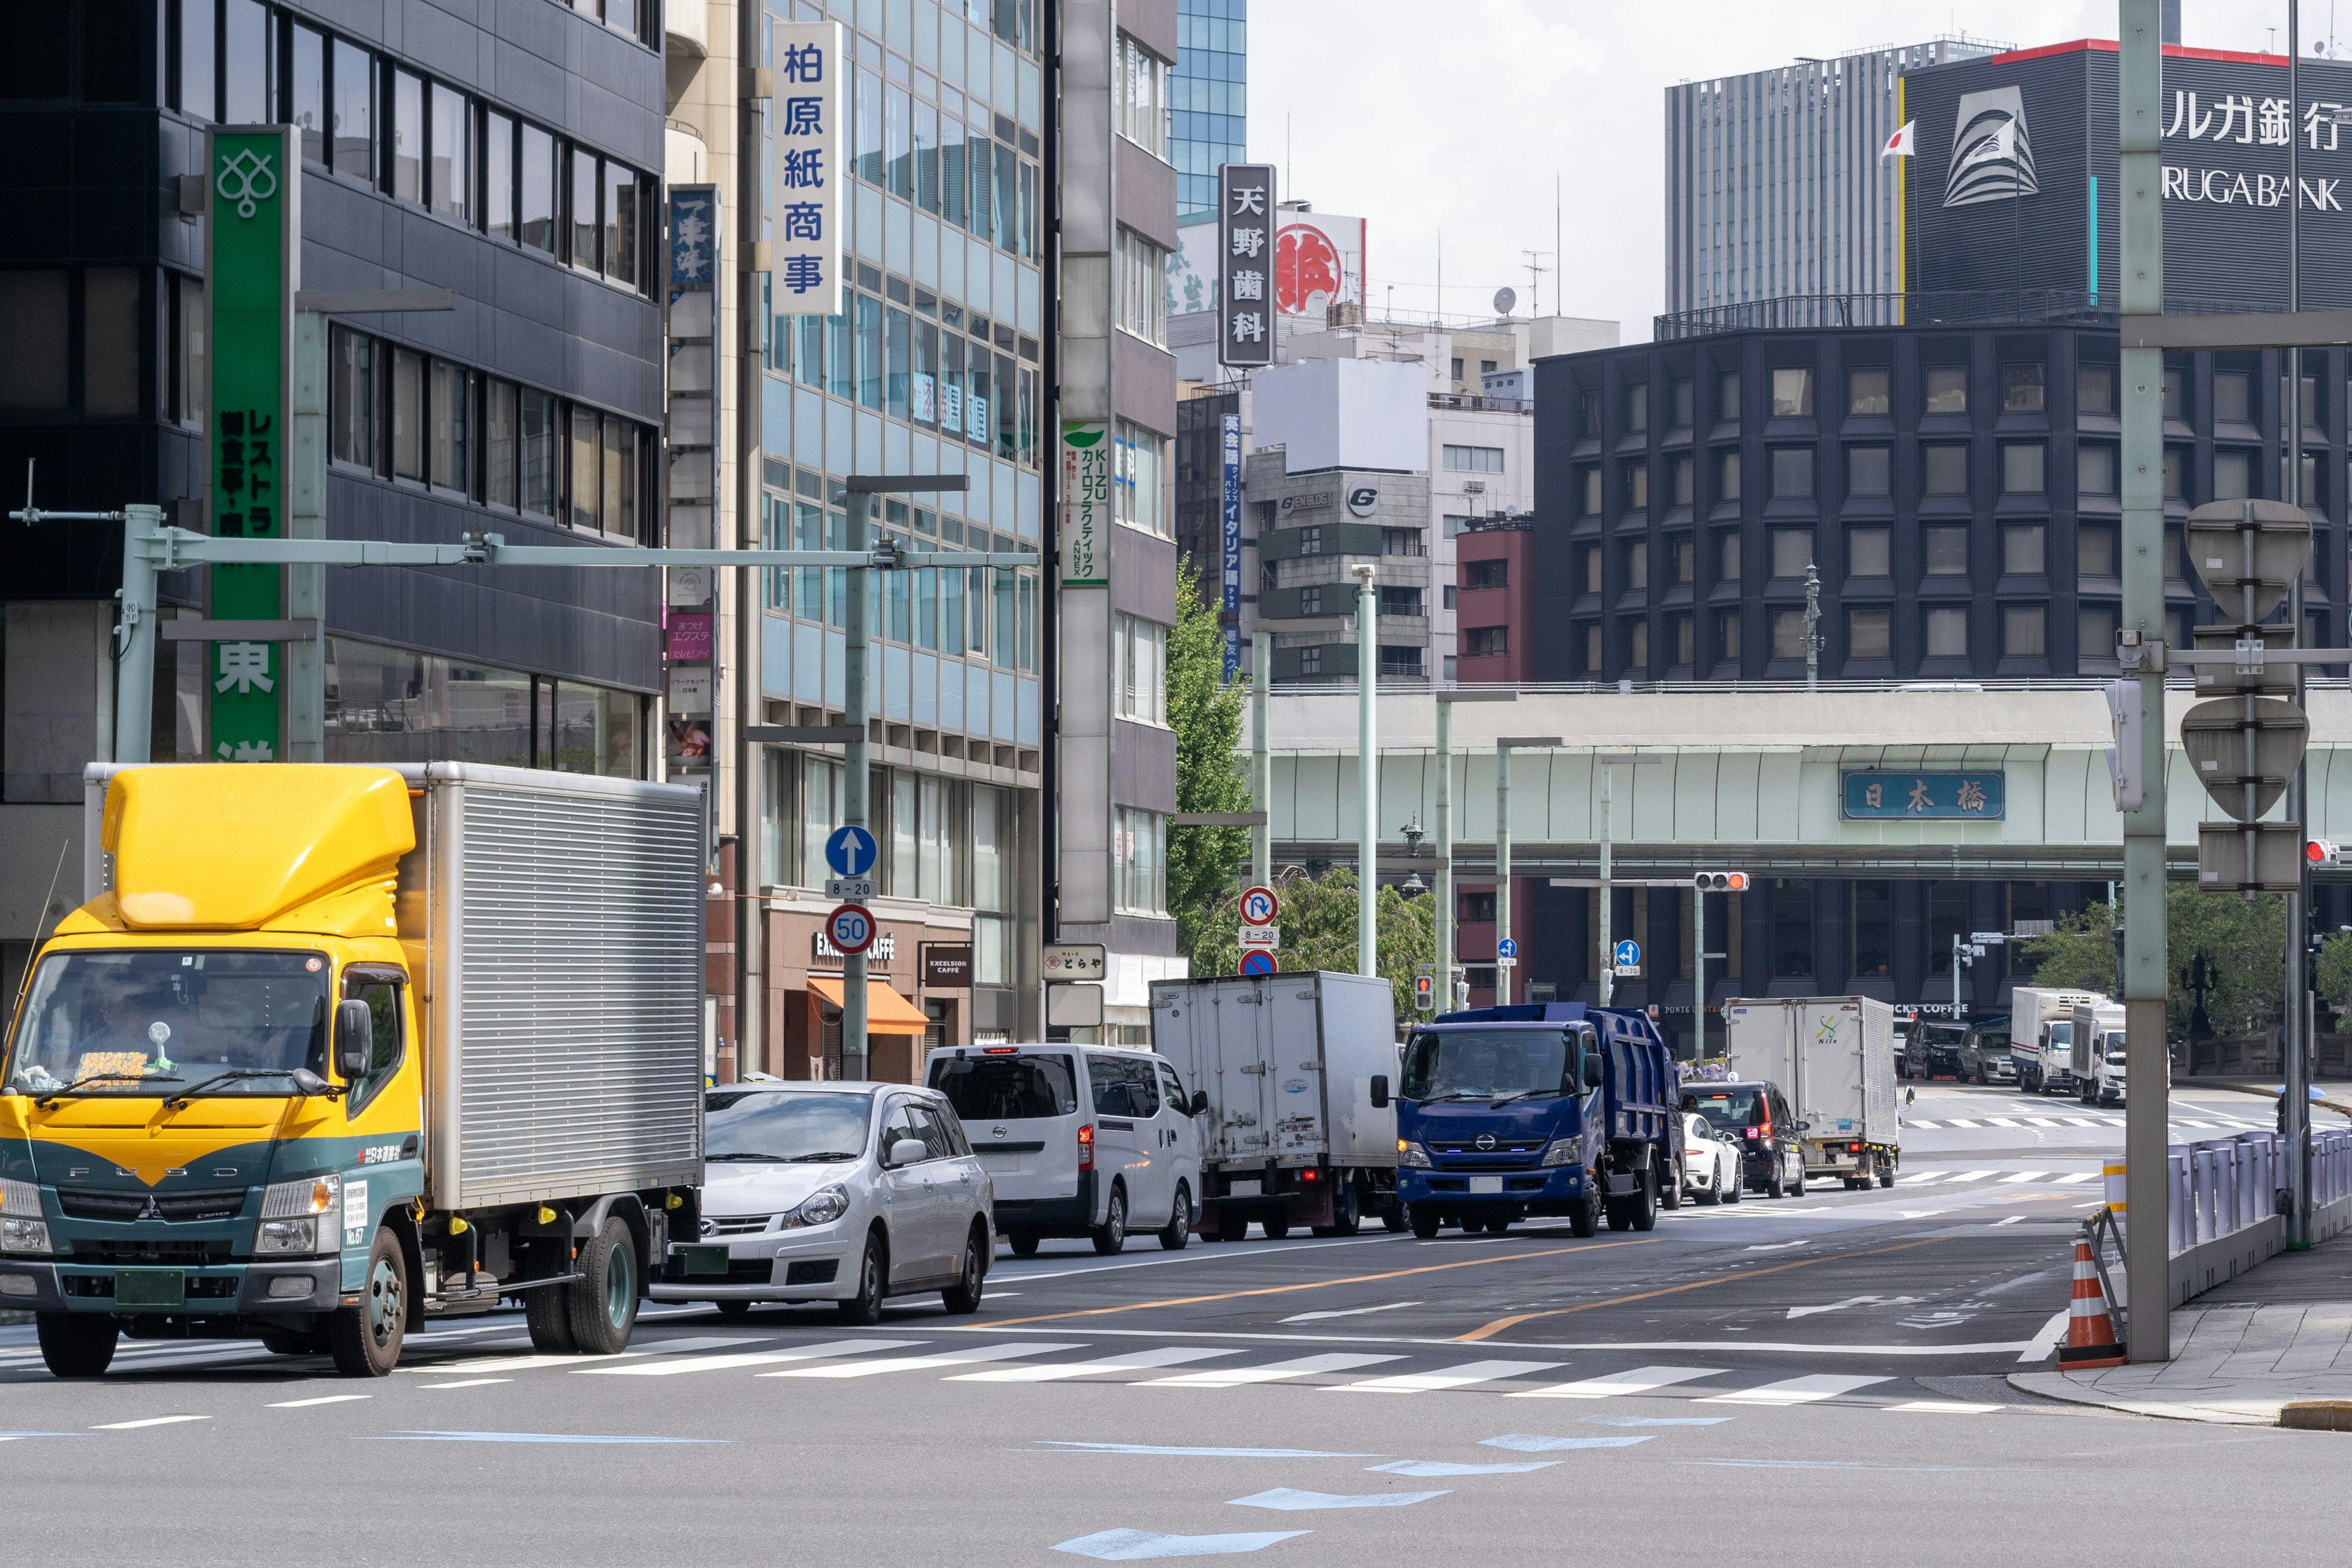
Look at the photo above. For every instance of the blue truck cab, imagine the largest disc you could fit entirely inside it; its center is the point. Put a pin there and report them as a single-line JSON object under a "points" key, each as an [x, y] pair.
{"points": [[1507, 1113]]}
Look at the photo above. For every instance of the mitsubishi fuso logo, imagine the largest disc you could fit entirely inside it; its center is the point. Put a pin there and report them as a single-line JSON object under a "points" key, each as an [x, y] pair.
{"points": [[151, 1210], [245, 180], [1991, 158]]}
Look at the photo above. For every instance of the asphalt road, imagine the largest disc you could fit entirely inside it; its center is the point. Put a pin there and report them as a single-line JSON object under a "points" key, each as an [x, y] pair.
{"points": [[1816, 1379]]}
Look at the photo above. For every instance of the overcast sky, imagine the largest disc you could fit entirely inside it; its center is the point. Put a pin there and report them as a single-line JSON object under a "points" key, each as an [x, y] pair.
{"points": [[1455, 116]]}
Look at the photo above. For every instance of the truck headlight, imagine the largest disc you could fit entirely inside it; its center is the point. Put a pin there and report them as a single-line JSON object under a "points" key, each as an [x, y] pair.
{"points": [[1560, 1152], [1412, 1156], [300, 1218], [821, 1208], [24, 1235]]}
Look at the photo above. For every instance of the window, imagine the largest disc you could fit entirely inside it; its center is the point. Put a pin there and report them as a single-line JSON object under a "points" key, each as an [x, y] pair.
{"points": [[1475, 906], [1948, 633], [2095, 470], [1792, 551], [407, 414], [1400, 602], [1142, 288], [1637, 409], [2231, 397], [1487, 642], [1868, 552], [1485, 367], [1681, 470], [1726, 635], [1637, 645], [1592, 650], [1792, 929], [1947, 470], [1637, 485], [2021, 464], [1792, 393], [580, 206], [1140, 649], [1593, 569], [620, 224], [1140, 852], [1727, 476], [1866, 634], [1726, 397], [1684, 553], [452, 416], [1726, 556], [537, 189], [1685, 404], [1873, 923], [1947, 389], [1787, 634], [1589, 494], [1474, 459], [1637, 565], [1685, 643], [580, 479], [382, 992], [1457, 367], [538, 460], [498, 176], [2176, 484], [2022, 631], [1140, 485], [352, 88], [2094, 389], [306, 77], [407, 136], [248, 64], [1400, 661], [351, 396], [109, 341], [2095, 549], [2176, 393], [498, 468], [1792, 472], [1866, 471], [1588, 409], [2024, 549], [1867, 392], [1948, 552], [195, 60], [2095, 633], [1486, 573], [2021, 389], [1403, 541], [1139, 79], [2309, 494], [450, 173], [2229, 473]]}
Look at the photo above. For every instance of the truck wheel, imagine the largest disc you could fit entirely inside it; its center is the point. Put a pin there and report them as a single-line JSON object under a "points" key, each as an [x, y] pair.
{"points": [[1645, 1201], [1233, 1224], [1670, 1193], [1346, 1215], [1277, 1225], [549, 1318], [1110, 1236], [1496, 1225], [75, 1344], [1177, 1234], [864, 1308], [1885, 1176], [1022, 1245], [1392, 1218], [604, 1301], [963, 1296], [365, 1339], [1621, 1216]]}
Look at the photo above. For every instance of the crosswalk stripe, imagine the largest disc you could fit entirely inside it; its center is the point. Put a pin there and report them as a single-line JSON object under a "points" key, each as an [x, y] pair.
{"points": [[1275, 1372], [1013, 1351], [2081, 1122], [1973, 1176], [1795, 1390], [1449, 1377], [2017, 1177], [1923, 1124], [2071, 1177], [2042, 1121], [1641, 1380], [1138, 1361], [1924, 1177], [2001, 1121], [578, 1359], [1959, 1124], [1945, 1407], [746, 1358]]}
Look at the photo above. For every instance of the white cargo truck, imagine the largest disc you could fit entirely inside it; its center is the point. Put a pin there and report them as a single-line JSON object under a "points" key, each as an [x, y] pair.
{"points": [[2041, 1035], [2095, 1052], [1298, 1130], [1833, 1057]]}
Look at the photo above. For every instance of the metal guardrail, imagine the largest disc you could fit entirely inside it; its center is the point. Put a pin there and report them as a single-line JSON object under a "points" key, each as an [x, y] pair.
{"points": [[2222, 1185]]}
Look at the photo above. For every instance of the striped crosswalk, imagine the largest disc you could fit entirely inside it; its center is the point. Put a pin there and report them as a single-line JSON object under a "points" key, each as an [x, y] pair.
{"points": [[2010, 1179]]}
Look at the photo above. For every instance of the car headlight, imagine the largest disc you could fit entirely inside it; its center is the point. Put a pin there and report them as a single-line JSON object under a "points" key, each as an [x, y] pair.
{"points": [[821, 1208], [300, 1217], [1560, 1152], [1412, 1156]]}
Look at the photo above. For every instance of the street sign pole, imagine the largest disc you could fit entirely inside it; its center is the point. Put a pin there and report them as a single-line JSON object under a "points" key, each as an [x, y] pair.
{"points": [[1368, 768], [853, 765], [1447, 964]]}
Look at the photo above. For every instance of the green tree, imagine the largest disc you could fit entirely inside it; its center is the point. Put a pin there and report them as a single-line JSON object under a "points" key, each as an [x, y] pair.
{"points": [[1318, 930], [1206, 714], [2335, 974], [2242, 940]]}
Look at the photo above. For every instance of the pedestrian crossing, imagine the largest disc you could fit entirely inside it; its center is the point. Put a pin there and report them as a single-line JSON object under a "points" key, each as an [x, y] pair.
{"points": [[2205, 1120], [2010, 1179]]}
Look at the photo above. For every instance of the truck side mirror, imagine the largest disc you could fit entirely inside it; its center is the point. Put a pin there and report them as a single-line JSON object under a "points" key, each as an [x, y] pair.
{"points": [[1200, 1102], [1592, 1070], [354, 1038], [1379, 1092]]}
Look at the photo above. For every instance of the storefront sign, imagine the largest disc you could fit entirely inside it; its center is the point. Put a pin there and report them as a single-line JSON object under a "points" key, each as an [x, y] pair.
{"points": [[1879, 796], [690, 635], [1085, 505], [947, 966], [884, 949]]}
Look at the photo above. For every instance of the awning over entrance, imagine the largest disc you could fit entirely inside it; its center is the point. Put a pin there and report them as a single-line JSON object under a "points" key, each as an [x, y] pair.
{"points": [[887, 1011]]}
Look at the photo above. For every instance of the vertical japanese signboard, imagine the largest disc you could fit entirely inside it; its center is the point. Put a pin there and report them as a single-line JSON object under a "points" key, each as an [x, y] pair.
{"points": [[254, 260], [1230, 514], [1245, 257], [1085, 505], [690, 519], [809, 175]]}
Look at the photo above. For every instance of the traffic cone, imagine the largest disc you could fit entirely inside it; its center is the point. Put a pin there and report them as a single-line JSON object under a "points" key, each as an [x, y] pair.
{"points": [[2090, 1330]]}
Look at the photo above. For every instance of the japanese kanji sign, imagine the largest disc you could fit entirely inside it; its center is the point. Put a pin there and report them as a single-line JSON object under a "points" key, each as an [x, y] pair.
{"points": [[1085, 505], [1891, 796], [1245, 264], [254, 239], [808, 172]]}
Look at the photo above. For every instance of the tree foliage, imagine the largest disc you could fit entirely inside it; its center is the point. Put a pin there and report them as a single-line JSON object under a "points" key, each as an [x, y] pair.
{"points": [[2243, 940], [1318, 924], [1206, 714]]}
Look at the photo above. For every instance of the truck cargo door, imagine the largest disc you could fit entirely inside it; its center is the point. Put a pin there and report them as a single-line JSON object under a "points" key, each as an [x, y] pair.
{"points": [[1294, 1068]]}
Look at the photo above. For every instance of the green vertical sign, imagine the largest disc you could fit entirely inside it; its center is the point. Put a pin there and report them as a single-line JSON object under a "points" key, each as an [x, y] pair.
{"points": [[254, 236]]}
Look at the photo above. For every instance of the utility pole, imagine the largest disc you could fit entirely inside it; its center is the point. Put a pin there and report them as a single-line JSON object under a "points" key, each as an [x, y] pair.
{"points": [[1505, 968], [1261, 761], [2294, 1036], [1609, 762], [1446, 698], [1368, 768]]}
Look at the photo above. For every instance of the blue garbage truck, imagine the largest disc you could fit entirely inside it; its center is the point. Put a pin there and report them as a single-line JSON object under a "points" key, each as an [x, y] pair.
{"points": [[1540, 1109]]}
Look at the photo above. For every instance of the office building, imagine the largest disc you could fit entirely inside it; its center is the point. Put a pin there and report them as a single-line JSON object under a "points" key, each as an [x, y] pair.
{"points": [[1209, 94]]}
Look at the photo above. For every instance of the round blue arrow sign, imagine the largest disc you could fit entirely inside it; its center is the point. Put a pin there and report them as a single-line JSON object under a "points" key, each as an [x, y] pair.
{"points": [[1507, 948], [850, 851], [1628, 953]]}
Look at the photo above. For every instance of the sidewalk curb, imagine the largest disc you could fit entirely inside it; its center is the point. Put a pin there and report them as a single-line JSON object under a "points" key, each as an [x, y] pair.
{"points": [[2059, 1386]]}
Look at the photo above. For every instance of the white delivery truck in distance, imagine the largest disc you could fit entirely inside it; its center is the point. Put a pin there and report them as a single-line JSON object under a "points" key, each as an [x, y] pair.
{"points": [[2041, 1034], [2095, 1052], [1833, 1057]]}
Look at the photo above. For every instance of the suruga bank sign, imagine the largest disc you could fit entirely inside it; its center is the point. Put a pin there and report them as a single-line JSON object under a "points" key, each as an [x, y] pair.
{"points": [[2242, 119]]}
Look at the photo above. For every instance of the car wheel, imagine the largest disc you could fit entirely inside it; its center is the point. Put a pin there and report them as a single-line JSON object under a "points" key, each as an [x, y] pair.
{"points": [[1233, 1224], [1773, 1187], [1706, 1198], [963, 1297], [864, 1308], [1732, 1190], [1177, 1234], [1424, 1221], [365, 1339], [76, 1344], [733, 1308], [1022, 1245], [1110, 1236], [1797, 1187]]}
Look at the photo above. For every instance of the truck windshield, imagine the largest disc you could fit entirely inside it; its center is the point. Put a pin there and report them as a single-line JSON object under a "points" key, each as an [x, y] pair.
{"points": [[1480, 1064], [2061, 1034], [148, 1020], [785, 1126], [1007, 1088]]}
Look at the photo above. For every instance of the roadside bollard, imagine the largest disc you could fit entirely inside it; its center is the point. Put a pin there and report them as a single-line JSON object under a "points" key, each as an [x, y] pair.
{"points": [[2114, 1172], [2180, 1215]]}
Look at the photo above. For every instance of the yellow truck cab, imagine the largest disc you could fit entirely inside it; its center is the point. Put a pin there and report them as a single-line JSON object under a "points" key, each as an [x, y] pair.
{"points": [[331, 1050]]}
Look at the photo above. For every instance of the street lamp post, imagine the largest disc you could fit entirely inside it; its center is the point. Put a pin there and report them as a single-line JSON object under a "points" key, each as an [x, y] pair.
{"points": [[1609, 762], [1446, 699], [1368, 768], [1504, 747]]}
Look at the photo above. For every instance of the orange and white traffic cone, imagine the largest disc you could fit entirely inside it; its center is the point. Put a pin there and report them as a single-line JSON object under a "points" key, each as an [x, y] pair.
{"points": [[2090, 1328]]}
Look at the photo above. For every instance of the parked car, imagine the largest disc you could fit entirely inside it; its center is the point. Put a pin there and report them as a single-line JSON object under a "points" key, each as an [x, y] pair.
{"points": [[1756, 1115], [849, 1193], [1710, 1164], [1936, 1051], [1985, 1052], [1079, 1140]]}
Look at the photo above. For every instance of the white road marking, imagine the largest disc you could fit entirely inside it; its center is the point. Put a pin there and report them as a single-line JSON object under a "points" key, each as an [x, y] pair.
{"points": [[1848, 1301], [2000, 1122], [1945, 1407], [1969, 1124], [1641, 1380], [1449, 1377], [2047, 1336], [322, 1399], [1348, 1312], [2012, 1219], [2071, 1177], [468, 1382], [2019, 1177], [149, 1421], [1795, 1390], [652, 1347], [1135, 1361], [1924, 1177], [1973, 1176], [920, 1363], [1206, 1255], [829, 1348], [1273, 1372]]}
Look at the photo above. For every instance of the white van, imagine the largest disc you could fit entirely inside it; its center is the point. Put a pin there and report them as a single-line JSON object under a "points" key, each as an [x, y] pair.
{"points": [[1091, 1141]]}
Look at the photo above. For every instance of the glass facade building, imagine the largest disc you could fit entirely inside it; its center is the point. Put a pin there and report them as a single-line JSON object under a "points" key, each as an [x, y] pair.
{"points": [[1209, 97]]}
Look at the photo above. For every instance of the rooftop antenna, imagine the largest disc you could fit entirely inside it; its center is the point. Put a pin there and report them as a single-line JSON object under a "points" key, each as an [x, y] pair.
{"points": [[1535, 269], [1504, 300], [1559, 251]]}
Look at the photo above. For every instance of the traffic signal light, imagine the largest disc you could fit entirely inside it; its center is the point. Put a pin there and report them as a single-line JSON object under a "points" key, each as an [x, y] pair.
{"points": [[1721, 881], [2322, 852], [1424, 992]]}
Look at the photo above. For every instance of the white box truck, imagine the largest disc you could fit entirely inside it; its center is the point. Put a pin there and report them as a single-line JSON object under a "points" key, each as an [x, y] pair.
{"points": [[1833, 1057], [2041, 1035], [2095, 1052], [1295, 1131]]}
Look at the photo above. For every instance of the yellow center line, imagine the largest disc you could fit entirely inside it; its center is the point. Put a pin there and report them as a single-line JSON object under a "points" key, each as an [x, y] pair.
{"points": [[1310, 1284], [1499, 1324]]}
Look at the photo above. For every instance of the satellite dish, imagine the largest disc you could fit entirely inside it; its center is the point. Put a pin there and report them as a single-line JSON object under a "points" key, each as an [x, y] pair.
{"points": [[1504, 300]]}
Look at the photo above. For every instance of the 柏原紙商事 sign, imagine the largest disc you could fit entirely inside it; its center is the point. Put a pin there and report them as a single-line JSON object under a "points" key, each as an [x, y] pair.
{"points": [[1883, 796], [807, 176]]}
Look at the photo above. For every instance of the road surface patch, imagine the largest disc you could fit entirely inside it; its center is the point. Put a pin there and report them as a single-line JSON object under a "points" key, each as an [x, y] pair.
{"points": [[1140, 1545], [1534, 1443], [1291, 1500]]}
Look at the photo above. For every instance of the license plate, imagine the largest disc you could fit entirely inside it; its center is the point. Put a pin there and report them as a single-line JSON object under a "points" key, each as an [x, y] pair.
{"points": [[1486, 1184], [1248, 1189], [1000, 1162], [151, 1288], [703, 1259]]}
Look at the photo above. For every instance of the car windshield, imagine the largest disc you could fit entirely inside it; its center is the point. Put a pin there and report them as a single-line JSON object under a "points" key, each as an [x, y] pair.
{"points": [[1007, 1088], [784, 1125], [149, 1020], [1729, 1109], [1479, 1064]]}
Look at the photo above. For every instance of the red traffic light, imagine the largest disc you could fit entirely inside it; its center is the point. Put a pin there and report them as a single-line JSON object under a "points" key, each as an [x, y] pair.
{"points": [[1721, 881], [2322, 852]]}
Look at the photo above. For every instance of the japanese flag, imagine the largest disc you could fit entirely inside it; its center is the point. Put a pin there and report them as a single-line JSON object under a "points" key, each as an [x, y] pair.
{"points": [[1899, 145]]}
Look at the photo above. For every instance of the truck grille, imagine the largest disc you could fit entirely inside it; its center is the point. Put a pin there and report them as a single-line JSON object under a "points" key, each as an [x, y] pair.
{"points": [[218, 1203], [176, 1254], [1471, 1146]]}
